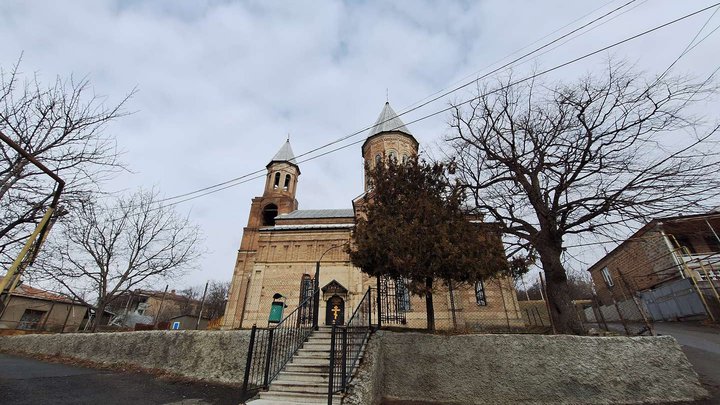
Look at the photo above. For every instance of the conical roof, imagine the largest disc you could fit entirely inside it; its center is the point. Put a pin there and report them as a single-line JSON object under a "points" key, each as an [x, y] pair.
{"points": [[388, 121], [285, 154]]}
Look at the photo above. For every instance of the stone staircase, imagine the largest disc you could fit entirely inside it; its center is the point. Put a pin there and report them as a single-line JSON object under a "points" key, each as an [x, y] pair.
{"points": [[304, 380]]}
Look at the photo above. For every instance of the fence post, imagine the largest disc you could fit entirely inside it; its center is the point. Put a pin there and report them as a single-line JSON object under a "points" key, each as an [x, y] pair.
{"points": [[379, 303], [619, 312], [316, 299], [332, 364], [369, 307], [599, 312], [266, 379], [248, 362], [343, 378], [648, 324]]}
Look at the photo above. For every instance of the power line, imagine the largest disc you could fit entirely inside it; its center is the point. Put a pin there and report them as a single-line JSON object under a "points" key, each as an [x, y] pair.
{"points": [[424, 103], [246, 178]]}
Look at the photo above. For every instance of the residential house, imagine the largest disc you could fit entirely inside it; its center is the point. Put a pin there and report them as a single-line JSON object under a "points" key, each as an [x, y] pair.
{"points": [[32, 309], [672, 264]]}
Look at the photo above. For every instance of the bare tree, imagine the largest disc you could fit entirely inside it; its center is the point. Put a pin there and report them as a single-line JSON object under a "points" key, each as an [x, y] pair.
{"points": [[107, 249], [62, 125], [216, 299], [551, 161]]}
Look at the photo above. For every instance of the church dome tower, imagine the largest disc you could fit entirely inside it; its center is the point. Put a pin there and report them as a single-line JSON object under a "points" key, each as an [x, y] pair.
{"points": [[388, 139], [283, 172]]}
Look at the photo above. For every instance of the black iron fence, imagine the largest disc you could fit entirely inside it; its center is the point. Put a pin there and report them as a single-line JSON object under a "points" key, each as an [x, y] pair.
{"points": [[272, 348], [392, 301], [346, 345]]}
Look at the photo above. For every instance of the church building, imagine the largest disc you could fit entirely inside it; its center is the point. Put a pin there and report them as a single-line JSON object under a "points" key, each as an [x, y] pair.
{"points": [[282, 245]]}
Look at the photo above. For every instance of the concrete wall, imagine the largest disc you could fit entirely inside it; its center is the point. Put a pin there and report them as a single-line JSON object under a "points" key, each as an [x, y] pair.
{"points": [[475, 369], [217, 356]]}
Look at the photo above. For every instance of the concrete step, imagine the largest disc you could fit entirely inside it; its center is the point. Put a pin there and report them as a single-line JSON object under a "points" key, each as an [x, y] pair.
{"points": [[294, 398], [302, 376], [307, 368], [311, 361], [309, 387], [316, 346], [312, 354]]}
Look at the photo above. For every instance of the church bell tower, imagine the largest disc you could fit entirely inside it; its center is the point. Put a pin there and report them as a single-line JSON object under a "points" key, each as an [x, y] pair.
{"points": [[278, 198], [388, 139]]}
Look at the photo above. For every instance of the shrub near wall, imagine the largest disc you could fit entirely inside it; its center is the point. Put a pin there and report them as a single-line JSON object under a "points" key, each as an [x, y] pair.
{"points": [[479, 369], [217, 356]]}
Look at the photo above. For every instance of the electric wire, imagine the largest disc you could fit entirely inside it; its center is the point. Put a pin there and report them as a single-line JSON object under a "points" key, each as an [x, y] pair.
{"points": [[444, 110]]}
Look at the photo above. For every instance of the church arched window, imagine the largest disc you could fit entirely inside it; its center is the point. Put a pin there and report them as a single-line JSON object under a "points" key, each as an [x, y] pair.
{"points": [[276, 183], [392, 156], [404, 159], [286, 186], [378, 159], [268, 214], [480, 293]]}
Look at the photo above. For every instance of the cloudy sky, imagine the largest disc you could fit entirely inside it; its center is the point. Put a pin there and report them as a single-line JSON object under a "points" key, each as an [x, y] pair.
{"points": [[222, 83]]}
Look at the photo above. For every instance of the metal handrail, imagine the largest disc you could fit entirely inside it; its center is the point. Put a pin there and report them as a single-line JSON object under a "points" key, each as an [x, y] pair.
{"points": [[346, 344], [271, 348]]}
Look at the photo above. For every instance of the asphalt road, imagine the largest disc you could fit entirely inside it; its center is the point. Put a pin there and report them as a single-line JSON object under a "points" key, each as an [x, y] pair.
{"points": [[28, 381], [701, 345]]}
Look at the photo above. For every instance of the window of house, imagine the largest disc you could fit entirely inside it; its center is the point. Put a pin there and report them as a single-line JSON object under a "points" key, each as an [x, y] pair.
{"points": [[286, 186], [480, 297], [607, 277], [402, 295], [30, 319], [276, 183]]}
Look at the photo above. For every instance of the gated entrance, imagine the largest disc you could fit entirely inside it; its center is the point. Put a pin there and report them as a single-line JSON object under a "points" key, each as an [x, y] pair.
{"points": [[335, 311]]}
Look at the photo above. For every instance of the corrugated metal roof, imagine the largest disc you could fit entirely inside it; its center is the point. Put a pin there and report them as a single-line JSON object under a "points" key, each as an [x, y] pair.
{"points": [[285, 154], [312, 214], [388, 121]]}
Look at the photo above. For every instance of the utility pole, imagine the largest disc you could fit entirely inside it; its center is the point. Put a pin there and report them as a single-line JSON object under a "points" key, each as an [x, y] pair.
{"points": [[32, 247], [202, 306]]}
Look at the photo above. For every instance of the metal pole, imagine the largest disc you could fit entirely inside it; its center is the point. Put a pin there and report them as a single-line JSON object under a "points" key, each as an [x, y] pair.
{"points": [[266, 379], [248, 362], [502, 297], [11, 272], [202, 305], [344, 358], [639, 307], [379, 303], [316, 299], [452, 304], [332, 364], [162, 301]]}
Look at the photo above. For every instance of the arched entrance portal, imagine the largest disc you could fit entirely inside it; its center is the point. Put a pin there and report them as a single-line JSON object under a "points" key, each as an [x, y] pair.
{"points": [[335, 311]]}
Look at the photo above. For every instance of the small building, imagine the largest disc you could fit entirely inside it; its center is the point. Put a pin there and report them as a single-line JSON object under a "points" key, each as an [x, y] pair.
{"points": [[149, 306], [187, 322], [32, 309], [672, 264]]}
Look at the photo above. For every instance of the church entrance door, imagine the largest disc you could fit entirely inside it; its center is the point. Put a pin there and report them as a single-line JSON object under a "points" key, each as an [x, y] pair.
{"points": [[335, 311]]}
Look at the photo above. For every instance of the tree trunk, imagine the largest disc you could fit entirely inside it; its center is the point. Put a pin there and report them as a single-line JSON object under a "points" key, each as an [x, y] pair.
{"points": [[562, 309], [98, 315], [429, 304]]}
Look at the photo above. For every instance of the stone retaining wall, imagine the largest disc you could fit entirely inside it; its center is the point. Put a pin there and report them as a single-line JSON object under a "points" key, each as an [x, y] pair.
{"points": [[217, 356], [475, 369]]}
